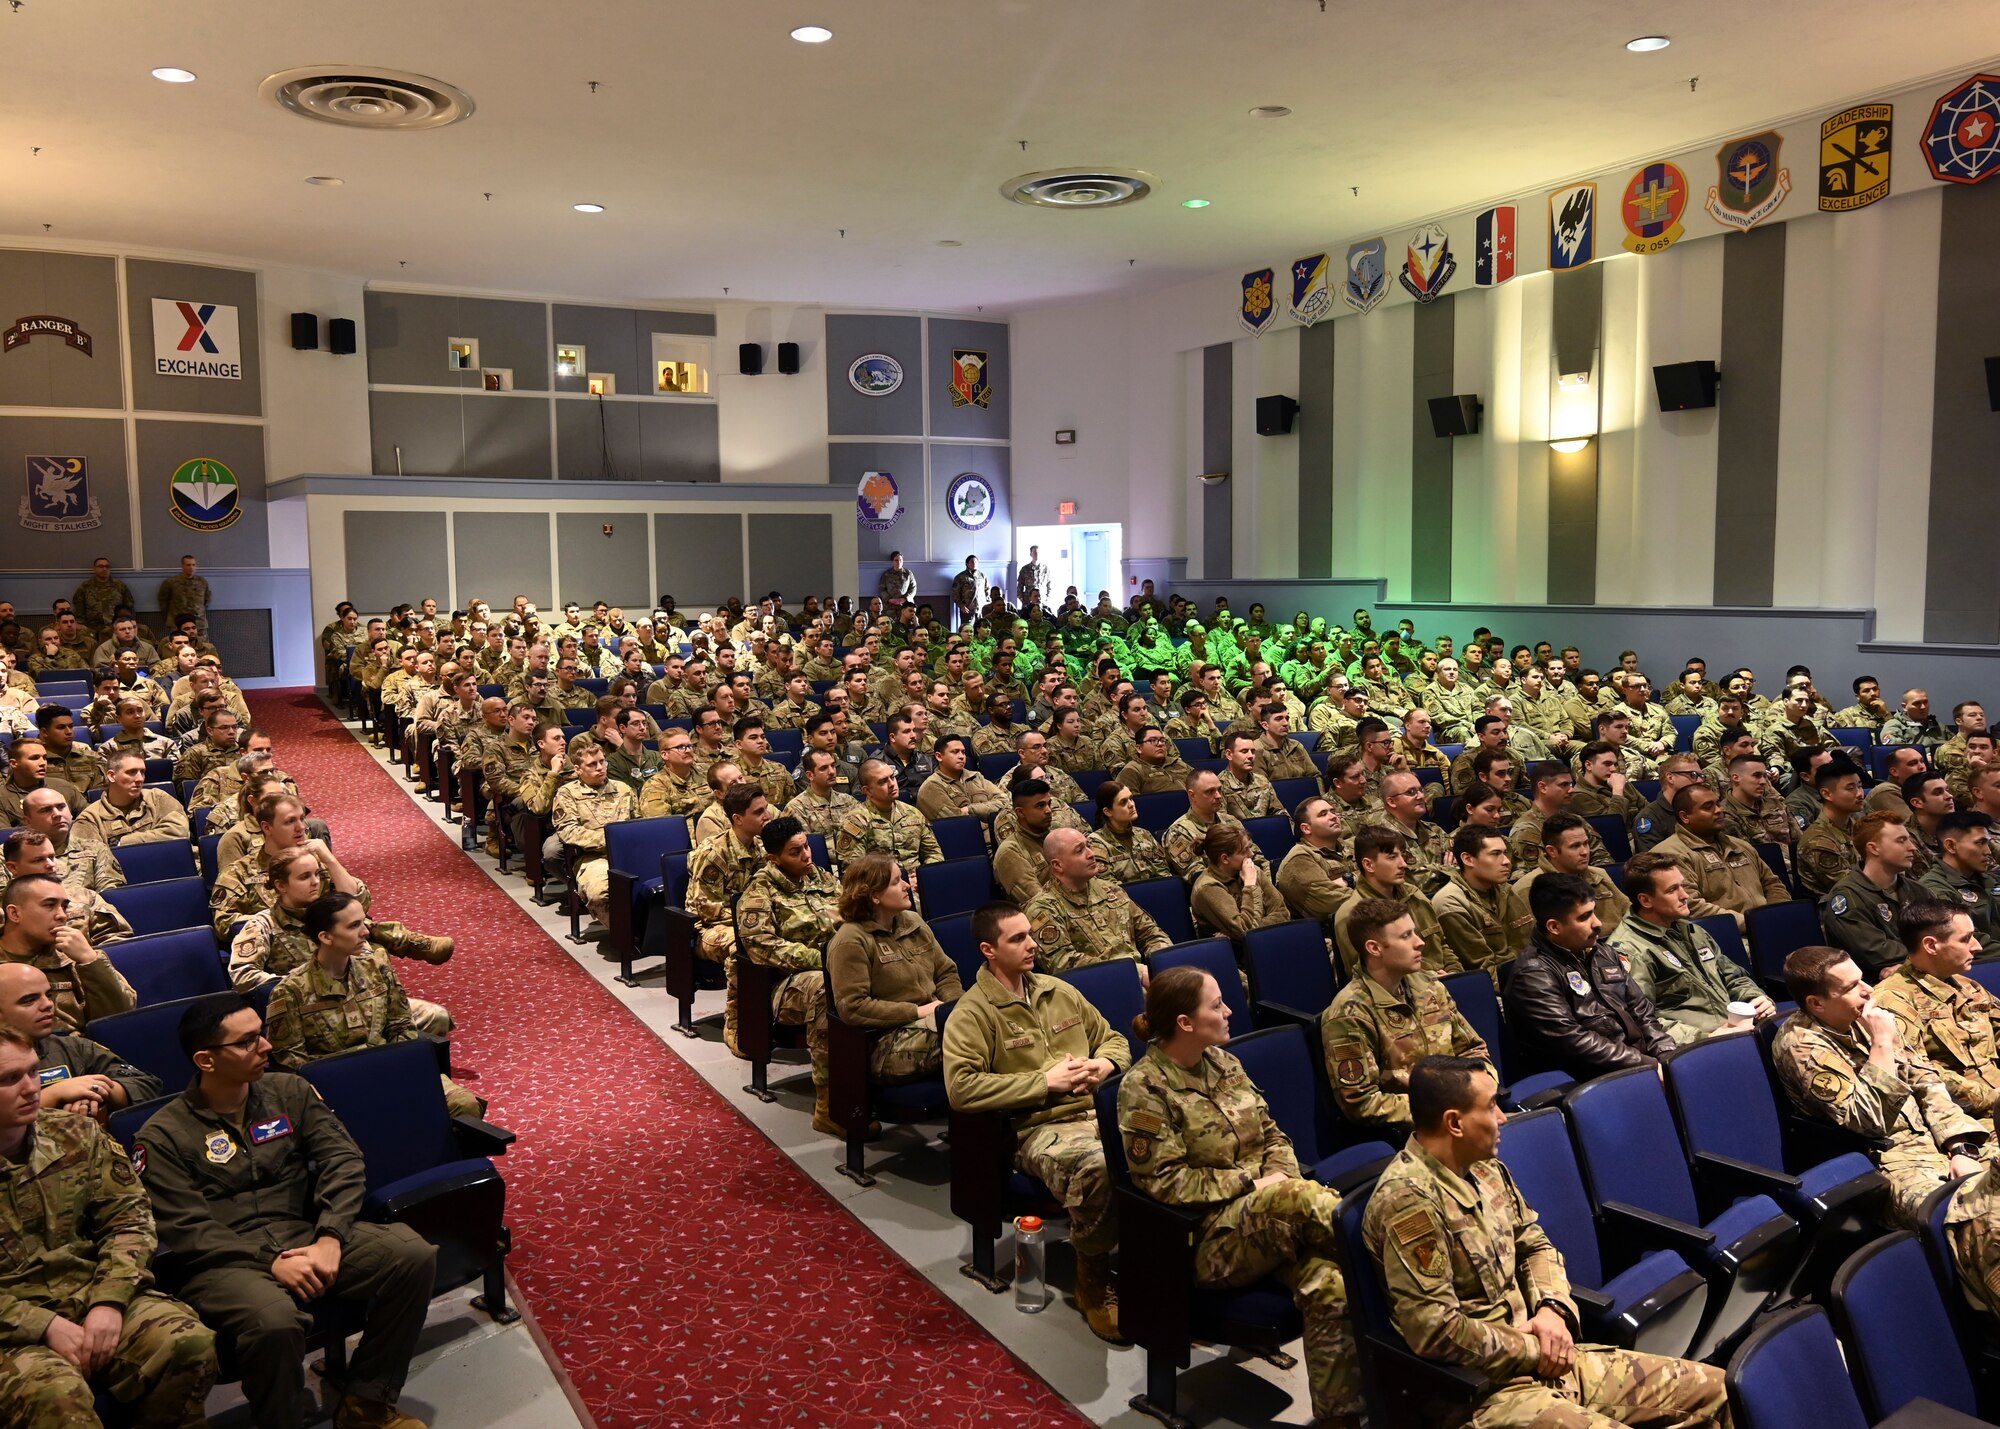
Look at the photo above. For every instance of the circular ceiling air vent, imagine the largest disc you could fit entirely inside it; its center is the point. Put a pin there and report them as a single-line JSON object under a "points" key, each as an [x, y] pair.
{"points": [[1078, 188], [368, 98]]}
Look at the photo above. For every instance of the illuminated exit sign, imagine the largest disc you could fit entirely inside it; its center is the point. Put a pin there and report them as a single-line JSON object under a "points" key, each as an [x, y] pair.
{"points": [[1065, 508]]}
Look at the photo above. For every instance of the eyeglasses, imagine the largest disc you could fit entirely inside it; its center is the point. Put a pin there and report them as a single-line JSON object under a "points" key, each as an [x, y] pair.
{"points": [[241, 1044]]}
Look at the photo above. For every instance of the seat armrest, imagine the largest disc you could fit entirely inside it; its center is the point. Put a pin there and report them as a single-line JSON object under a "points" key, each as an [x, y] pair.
{"points": [[1744, 1178], [481, 1138], [1268, 1014], [1437, 1380], [1547, 1096], [1657, 1231], [1590, 1302], [397, 1200], [982, 1157]]}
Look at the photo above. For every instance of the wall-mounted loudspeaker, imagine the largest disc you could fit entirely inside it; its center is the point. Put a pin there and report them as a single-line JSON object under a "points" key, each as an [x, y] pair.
{"points": [[305, 332], [340, 336], [750, 358], [788, 358], [1993, 383], [1455, 416], [1683, 386], [1274, 416]]}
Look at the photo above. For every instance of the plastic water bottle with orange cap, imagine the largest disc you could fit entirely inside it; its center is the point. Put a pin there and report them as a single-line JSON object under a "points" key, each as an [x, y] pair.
{"points": [[1031, 1291]]}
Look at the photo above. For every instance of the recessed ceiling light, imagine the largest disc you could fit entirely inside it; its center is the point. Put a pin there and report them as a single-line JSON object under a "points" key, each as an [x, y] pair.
{"points": [[1194, 203], [173, 75], [1647, 43], [949, 243], [326, 181], [588, 207], [812, 34], [1269, 111]]}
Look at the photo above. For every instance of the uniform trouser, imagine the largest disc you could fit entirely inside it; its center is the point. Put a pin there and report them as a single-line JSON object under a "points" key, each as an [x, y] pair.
{"points": [[1612, 1389], [593, 878], [1286, 1230], [161, 1371], [906, 1054], [458, 1101], [391, 1267], [1913, 1174], [1068, 1158], [800, 1001]]}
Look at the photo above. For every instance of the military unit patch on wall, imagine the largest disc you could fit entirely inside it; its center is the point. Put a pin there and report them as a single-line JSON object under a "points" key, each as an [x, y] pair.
{"points": [[45, 325], [969, 501], [1962, 141], [58, 495], [1429, 263], [1854, 158], [1367, 280], [970, 386], [205, 495], [1256, 308], [1572, 227], [878, 503], [1312, 289], [875, 374], [1493, 246], [1652, 207], [1749, 184]]}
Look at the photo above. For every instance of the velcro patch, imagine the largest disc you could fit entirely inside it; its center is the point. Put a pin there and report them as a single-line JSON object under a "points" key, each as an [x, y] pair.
{"points": [[139, 1159], [1348, 1072], [272, 1130], [1066, 1024], [54, 1074], [1145, 1121], [1828, 1086], [1413, 1226], [1138, 1149], [1014, 1044]]}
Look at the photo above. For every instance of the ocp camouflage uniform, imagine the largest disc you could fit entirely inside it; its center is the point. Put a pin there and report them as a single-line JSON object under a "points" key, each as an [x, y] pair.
{"points": [[1252, 798], [718, 870], [878, 978], [1428, 847], [666, 794], [581, 814], [1952, 1022], [1973, 895], [273, 942], [1612, 904], [80, 1234], [1075, 930], [1132, 858], [1285, 758], [901, 833], [185, 596], [1201, 1137], [1373, 1036], [1439, 954], [1972, 1224], [1182, 844], [1467, 1263], [786, 925], [1453, 712], [1769, 822], [1483, 930], [1824, 856], [1021, 866], [315, 1014], [80, 991], [1828, 1076]]}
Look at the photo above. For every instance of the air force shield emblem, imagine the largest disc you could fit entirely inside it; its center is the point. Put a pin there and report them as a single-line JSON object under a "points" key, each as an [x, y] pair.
{"points": [[1572, 227], [1367, 281], [1854, 158], [1312, 289], [1749, 184], [1257, 307], [1429, 265]]}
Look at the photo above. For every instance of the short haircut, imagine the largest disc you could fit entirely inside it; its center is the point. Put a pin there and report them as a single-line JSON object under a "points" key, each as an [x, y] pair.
{"points": [[119, 755], [1806, 971], [1834, 770], [1337, 768], [49, 714], [1560, 823], [746, 725], [1374, 841], [1439, 1085], [738, 797], [1027, 789], [1371, 916], [1595, 748], [202, 1022], [323, 910], [1471, 838], [1642, 868], [1548, 771], [1484, 723], [1922, 918], [1961, 821], [1869, 827], [1369, 728], [1913, 787], [987, 918], [1557, 895], [781, 831]]}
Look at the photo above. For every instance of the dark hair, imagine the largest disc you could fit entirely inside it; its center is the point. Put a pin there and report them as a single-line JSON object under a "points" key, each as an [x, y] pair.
{"points": [[1369, 918], [1106, 795], [1913, 787], [1470, 838], [1221, 840], [49, 714], [939, 744], [320, 913], [1922, 918], [1374, 841], [1439, 1085], [1368, 729], [1304, 806], [738, 797], [1028, 789], [781, 830], [987, 918], [1171, 994], [1961, 821], [1642, 868], [204, 1018], [1546, 771], [1835, 769], [1560, 823], [1556, 895], [1338, 766], [1806, 970], [1595, 748]]}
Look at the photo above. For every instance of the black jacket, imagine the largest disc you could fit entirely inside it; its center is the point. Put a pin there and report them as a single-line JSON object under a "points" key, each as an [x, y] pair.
{"points": [[1606, 1026]]}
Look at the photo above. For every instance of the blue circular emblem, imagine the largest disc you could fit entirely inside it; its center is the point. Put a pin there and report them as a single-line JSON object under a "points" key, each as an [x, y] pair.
{"points": [[875, 374], [969, 501]]}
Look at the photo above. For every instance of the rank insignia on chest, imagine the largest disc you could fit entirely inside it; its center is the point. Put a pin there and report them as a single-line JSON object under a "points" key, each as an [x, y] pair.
{"points": [[219, 1149], [54, 1074], [272, 1130], [1578, 986]]}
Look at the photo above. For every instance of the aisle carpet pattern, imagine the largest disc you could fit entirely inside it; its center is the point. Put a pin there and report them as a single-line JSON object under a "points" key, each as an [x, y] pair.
{"points": [[683, 1269]]}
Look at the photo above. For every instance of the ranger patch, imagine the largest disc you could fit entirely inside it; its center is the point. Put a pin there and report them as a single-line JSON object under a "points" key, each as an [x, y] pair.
{"points": [[1828, 1085]]}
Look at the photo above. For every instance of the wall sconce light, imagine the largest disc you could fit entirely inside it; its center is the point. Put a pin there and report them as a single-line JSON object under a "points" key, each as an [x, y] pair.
{"points": [[1569, 446]]}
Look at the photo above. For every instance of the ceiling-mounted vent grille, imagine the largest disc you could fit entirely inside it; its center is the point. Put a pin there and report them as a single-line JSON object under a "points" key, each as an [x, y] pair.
{"points": [[1078, 188], [368, 98]]}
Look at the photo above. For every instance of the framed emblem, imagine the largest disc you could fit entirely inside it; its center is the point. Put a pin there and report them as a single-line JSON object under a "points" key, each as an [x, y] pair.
{"points": [[1257, 307], [205, 495], [1367, 281], [1312, 289], [45, 325], [58, 496], [874, 374], [1572, 228], [1493, 246], [1962, 141], [970, 386], [196, 340], [1428, 263], [1854, 158], [1750, 184], [969, 501], [878, 503], [1655, 198]]}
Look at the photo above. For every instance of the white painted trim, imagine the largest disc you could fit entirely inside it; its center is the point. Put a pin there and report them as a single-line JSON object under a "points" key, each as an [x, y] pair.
{"points": [[695, 397], [549, 352], [132, 482], [451, 559], [101, 413], [902, 441], [224, 419]]}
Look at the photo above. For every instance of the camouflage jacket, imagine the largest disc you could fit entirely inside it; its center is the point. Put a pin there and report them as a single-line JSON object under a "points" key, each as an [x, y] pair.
{"points": [[787, 925], [1198, 1136], [1074, 930], [77, 1224], [315, 1014]]}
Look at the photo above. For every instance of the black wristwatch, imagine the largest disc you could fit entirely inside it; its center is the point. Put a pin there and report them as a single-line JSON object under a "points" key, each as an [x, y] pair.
{"points": [[1562, 1312]]}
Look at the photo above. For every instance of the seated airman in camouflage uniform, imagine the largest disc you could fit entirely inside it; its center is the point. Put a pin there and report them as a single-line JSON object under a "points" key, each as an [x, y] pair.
{"points": [[1080, 917], [719, 869], [883, 824], [581, 810], [784, 920], [1940, 1012]]}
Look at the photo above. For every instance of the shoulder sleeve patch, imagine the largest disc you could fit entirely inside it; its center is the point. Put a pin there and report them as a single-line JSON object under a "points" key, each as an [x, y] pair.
{"points": [[1413, 1225], [1828, 1085], [1144, 1121]]}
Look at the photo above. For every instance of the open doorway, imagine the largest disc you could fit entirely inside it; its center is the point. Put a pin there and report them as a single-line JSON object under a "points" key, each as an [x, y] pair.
{"points": [[1091, 558]]}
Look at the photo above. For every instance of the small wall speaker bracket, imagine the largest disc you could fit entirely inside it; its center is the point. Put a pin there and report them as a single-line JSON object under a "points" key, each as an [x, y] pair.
{"points": [[1274, 415], [305, 332]]}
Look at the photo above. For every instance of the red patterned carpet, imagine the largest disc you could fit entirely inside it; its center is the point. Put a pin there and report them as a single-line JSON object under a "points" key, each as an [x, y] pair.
{"points": [[684, 1270]]}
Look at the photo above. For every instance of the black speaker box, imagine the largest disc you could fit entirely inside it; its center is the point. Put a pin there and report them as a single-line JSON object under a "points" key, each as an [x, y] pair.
{"points": [[750, 358], [1274, 416], [305, 332], [340, 336], [1455, 416], [1683, 386], [788, 358], [1993, 383]]}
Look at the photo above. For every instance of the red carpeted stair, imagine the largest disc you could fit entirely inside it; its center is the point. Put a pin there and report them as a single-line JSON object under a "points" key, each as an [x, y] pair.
{"points": [[683, 1269]]}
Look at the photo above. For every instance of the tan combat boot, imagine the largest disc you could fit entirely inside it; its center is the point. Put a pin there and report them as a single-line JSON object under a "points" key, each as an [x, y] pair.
{"points": [[1097, 1297], [824, 1123], [403, 943], [358, 1413]]}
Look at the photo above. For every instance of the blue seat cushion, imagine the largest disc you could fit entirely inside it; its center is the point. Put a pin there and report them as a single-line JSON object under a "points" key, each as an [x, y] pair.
{"points": [[1540, 1082], [419, 1182], [1351, 1158], [1027, 1190], [1742, 1218], [1648, 1274], [1260, 1314], [1829, 1174], [913, 1102]]}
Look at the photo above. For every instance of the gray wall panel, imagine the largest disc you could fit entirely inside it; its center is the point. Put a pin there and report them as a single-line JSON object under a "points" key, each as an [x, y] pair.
{"points": [[394, 556], [163, 446], [498, 554], [505, 436], [1577, 320], [1746, 471], [610, 338], [1218, 517], [972, 420], [699, 557], [848, 412], [1315, 429], [846, 461], [951, 543], [146, 280], [595, 566], [1430, 454], [1961, 581], [428, 426], [680, 441], [47, 371], [582, 443], [408, 335], [100, 441], [243, 639], [791, 553]]}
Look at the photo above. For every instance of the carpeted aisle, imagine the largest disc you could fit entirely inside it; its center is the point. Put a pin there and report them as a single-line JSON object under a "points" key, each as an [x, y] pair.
{"points": [[685, 1271]]}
